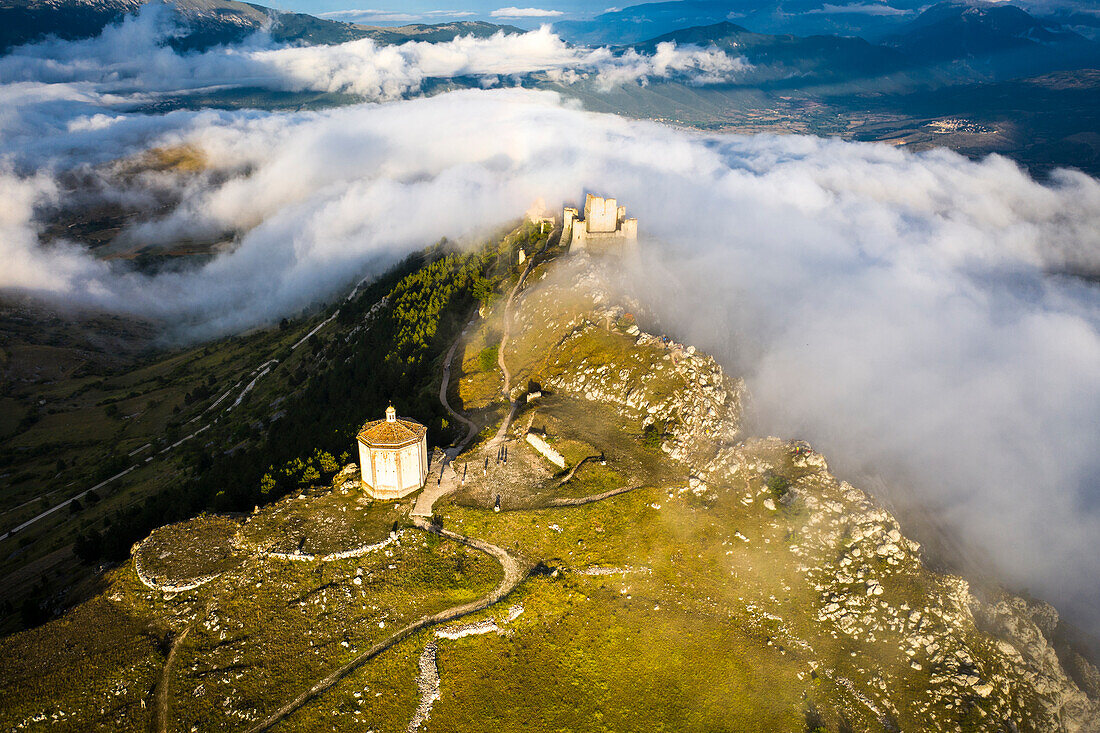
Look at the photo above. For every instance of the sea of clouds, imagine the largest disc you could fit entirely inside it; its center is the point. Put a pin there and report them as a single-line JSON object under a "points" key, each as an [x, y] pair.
{"points": [[920, 314], [131, 57]]}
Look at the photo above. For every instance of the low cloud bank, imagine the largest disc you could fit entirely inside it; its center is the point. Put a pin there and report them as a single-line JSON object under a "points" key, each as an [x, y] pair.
{"points": [[130, 58], [514, 12], [902, 312]]}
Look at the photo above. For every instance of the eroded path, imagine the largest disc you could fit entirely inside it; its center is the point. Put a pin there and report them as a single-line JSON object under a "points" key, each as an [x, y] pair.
{"points": [[515, 570], [506, 388], [471, 426], [161, 698], [581, 501]]}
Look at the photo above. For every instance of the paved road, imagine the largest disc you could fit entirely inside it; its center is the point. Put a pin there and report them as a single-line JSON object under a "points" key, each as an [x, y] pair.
{"points": [[261, 371], [66, 503]]}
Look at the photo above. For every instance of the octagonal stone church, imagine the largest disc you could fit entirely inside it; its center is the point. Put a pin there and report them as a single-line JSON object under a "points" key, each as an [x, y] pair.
{"points": [[393, 456]]}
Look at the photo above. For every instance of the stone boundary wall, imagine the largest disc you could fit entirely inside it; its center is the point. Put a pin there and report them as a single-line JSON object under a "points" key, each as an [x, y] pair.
{"points": [[152, 584], [538, 443], [345, 555]]}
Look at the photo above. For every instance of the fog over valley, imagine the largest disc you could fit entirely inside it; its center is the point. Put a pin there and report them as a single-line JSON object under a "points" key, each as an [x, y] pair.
{"points": [[923, 318]]}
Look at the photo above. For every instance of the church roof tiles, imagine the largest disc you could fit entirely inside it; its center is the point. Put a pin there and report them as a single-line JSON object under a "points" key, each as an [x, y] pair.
{"points": [[391, 433]]}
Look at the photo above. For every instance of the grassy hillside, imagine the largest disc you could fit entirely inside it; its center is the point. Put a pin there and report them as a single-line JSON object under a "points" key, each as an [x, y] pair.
{"points": [[675, 575], [258, 415]]}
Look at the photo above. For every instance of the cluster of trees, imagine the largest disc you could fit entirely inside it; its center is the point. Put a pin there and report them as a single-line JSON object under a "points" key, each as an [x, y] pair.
{"points": [[202, 392], [351, 378], [301, 472]]}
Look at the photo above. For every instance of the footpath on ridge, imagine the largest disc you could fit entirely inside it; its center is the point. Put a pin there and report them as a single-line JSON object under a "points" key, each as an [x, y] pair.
{"points": [[515, 569]]}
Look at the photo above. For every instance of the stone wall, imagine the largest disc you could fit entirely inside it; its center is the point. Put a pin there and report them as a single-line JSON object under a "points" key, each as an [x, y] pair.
{"points": [[545, 449], [390, 473], [600, 214], [604, 228]]}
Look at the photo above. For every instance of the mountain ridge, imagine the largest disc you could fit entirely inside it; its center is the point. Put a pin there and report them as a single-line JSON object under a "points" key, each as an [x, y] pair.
{"points": [[673, 533], [212, 22]]}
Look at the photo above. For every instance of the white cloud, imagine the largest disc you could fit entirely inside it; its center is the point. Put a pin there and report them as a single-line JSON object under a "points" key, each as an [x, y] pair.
{"points": [[129, 62], [513, 12], [859, 9], [895, 309], [368, 15], [450, 13]]}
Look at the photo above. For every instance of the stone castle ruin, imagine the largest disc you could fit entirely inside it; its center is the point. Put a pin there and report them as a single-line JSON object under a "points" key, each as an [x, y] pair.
{"points": [[604, 228]]}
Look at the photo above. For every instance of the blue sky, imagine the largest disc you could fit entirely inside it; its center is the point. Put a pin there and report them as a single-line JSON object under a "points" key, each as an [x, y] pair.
{"points": [[524, 13]]}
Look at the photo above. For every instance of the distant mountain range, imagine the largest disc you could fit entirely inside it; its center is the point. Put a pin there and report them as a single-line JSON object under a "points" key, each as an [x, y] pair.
{"points": [[947, 75], [949, 41], [211, 22], [974, 78], [953, 30], [804, 17], [870, 19], [787, 59]]}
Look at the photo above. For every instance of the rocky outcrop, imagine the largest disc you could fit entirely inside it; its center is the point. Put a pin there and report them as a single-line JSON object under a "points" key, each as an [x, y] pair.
{"points": [[682, 392], [871, 583], [1024, 630]]}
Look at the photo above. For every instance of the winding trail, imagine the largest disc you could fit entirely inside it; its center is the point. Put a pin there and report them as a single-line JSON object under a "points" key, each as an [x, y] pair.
{"points": [[591, 499], [431, 494], [471, 426], [160, 701], [515, 571], [506, 388]]}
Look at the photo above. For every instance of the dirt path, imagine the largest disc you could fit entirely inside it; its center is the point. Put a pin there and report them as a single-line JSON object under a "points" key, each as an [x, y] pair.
{"points": [[591, 499], [446, 482], [472, 428], [508, 319], [514, 572], [514, 569], [501, 361], [160, 701]]}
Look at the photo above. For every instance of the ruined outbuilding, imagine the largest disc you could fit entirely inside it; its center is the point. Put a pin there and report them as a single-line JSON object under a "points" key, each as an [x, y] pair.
{"points": [[393, 456], [604, 229]]}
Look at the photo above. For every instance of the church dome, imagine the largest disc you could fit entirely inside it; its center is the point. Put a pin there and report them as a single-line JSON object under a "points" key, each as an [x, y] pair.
{"points": [[391, 433]]}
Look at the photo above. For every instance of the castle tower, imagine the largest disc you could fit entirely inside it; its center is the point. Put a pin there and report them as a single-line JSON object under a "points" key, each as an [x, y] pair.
{"points": [[393, 456], [604, 228]]}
